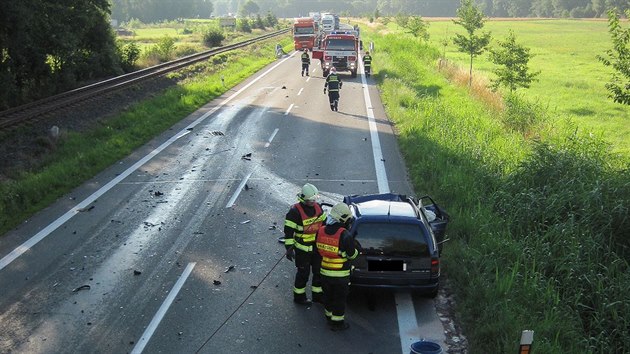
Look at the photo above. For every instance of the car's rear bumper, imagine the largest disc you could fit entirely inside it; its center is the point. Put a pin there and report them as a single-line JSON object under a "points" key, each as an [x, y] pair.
{"points": [[404, 281]]}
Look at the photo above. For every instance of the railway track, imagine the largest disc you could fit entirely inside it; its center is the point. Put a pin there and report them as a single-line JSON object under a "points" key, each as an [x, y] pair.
{"points": [[25, 113]]}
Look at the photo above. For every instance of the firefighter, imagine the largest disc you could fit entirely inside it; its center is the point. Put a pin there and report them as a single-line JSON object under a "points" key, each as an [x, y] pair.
{"points": [[300, 227], [333, 84], [337, 248], [367, 63], [306, 61]]}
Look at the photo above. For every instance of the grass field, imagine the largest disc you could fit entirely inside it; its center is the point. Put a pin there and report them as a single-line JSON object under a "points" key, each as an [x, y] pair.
{"points": [[539, 216], [571, 83]]}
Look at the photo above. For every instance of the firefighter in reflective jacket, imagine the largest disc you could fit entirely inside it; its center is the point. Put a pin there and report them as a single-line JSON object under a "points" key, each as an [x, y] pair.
{"points": [[333, 84], [336, 246], [300, 228], [306, 61], [367, 63]]}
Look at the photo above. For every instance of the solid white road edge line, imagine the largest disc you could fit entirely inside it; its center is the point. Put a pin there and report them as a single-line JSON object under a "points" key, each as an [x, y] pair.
{"points": [[6, 260], [157, 318], [407, 322], [379, 164]]}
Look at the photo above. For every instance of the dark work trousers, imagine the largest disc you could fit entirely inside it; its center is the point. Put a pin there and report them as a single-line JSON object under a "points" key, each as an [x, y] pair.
{"points": [[335, 295], [307, 262], [304, 69], [333, 98]]}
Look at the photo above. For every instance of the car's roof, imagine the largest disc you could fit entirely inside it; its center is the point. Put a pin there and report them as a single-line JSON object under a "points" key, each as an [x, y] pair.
{"points": [[386, 208]]}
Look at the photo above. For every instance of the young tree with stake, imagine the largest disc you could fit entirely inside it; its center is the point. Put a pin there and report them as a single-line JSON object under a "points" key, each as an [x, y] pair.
{"points": [[619, 59], [512, 58], [472, 19]]}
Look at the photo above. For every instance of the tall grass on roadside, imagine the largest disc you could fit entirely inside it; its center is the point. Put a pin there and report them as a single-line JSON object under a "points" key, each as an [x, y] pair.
{"points": [[80, 156], [539, 226]]}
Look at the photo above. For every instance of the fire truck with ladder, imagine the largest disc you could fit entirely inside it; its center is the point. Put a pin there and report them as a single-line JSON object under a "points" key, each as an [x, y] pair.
{"points": [[339, 49], [304, 29]]}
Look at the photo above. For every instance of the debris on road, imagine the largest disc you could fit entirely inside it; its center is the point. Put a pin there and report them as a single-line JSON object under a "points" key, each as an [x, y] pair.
{"points": [[216, 282], [245, 222], [137, 272], [247, 156], [82, 287], [81, 210], [229, 268]]}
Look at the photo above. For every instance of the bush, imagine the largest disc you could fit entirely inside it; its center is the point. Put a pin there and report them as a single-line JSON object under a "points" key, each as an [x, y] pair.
{"points": [[243, 25], [129, 54], [185, 50], [259, 23], [270, 20], [213, 37]]}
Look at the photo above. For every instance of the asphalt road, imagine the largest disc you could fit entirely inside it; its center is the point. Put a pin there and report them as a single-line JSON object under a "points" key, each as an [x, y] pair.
{"points": [[174, 249]]}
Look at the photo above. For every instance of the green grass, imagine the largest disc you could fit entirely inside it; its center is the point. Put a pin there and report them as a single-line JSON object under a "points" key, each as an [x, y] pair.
{"points": [[79, 157], [539, 209], [572, 80]]}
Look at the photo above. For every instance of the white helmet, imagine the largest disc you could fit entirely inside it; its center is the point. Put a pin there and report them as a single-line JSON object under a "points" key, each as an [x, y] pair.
{"points": [[340, 212], [333, 70], [309, 193]]}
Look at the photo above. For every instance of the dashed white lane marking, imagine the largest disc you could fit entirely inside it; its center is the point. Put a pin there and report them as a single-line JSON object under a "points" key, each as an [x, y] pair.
{"points": [[238, 191], [157, 318], [273, 135], [300, 92], [288, 109], [6, 260]]}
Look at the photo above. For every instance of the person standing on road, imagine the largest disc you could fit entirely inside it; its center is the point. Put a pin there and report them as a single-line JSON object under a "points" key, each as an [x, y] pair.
{"points": [[306, 61], [300, 228], [336, 247], [367, 63], [333, 84]]}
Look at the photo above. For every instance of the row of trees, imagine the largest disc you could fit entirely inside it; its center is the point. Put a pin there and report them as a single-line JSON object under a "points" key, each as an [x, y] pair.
{"points": [[149, 11], [48, 46], [157, 10], [512, 58]]}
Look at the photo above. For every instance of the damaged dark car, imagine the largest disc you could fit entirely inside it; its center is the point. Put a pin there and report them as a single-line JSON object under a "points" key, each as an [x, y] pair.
{"points": [[399, 239]]}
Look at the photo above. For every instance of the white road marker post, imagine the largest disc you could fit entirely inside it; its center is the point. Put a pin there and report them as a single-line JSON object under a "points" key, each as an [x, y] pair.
{"points": [[527, 338]]}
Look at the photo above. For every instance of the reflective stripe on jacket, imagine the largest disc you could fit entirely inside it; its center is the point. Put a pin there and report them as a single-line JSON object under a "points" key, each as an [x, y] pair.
{"points": [[334, 259], [306, 232], [332, 82], [367, 60], [305, 58]]}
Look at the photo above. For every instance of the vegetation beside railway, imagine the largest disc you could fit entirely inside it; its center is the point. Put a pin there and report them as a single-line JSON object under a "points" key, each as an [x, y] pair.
{"points": [[540, 209], [78, 156]]}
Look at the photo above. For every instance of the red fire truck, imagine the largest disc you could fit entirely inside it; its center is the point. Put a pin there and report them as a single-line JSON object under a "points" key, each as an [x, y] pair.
{"points": [[338, 49], [304, 29]]}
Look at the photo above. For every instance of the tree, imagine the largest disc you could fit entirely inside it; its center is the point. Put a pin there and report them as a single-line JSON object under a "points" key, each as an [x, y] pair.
{"points": [[270, 20], [42, 52], [417, 27], [472, 19], [249, 8], [512, 59], [618, 58]]}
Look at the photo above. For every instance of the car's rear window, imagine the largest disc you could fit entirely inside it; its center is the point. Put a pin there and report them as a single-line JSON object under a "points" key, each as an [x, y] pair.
{"points": [[392, 239]]}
